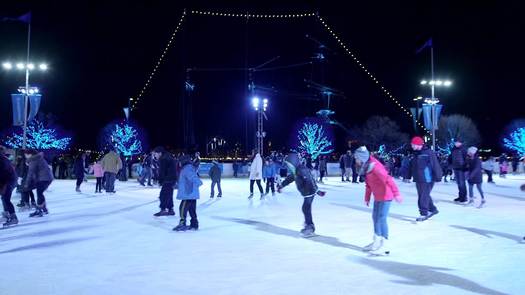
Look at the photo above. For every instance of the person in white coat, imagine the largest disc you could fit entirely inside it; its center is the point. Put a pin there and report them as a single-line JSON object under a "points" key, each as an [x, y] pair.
{"points": [[256, 174]]}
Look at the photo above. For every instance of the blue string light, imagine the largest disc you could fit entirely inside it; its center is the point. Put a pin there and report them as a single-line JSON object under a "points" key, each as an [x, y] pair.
{"points": [[125, 138], [39, 138]]}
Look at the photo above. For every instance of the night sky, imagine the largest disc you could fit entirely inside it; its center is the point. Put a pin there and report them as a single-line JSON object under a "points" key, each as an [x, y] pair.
{"points": [[101, 54]]}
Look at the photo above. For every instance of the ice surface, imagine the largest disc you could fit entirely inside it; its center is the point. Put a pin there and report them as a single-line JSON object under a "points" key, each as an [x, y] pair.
{"points": [[111, 244]]}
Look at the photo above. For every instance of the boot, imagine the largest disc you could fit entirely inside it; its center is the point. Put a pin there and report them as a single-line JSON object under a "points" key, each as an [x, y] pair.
{"points": [[171, 212], [11, 220], [194, 225], [5, 216], [383, 248], [38, 213], [374, 245], [161, 213], [308, 230], [181, 227], [78, 189], [250, 196]]}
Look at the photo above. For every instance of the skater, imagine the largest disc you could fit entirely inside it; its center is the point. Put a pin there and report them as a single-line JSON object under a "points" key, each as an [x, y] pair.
{"points": [[98, 172], [269, 173], [7, 185], [197, 162], [306, 185], [167, 177], [342, 167], [256, 174], [503, 166], [80, 170], [146, 170], [348, 160], [111, 164], [444, 167], [474, 175], [188, 193], [384, 189], [425, 170], [28, 199], [323, 168], [215, 176], [458, 160], [488, 166], [38, 176], [235, 167]]}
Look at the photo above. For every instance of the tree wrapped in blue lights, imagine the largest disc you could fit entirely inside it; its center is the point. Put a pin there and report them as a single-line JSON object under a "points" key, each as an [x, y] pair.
{"points": [[313, 140], [39, 137], [516, 141], [126, 139]]}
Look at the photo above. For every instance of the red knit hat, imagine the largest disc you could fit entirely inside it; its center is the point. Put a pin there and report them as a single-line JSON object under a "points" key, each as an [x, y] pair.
{"points": [[417, 141]]}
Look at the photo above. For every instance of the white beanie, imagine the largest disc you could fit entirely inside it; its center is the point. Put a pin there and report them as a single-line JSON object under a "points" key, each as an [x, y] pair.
{"points": [[472, 150]]}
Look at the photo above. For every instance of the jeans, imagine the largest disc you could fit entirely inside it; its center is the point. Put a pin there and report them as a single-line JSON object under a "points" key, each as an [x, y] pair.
{"points": [[80, 179], [459, 175], [146, 174], [424, 200], [252, 181], [188, 206], [166, 196], [307, 210], [6, 199], [270, 183], [379, 217], [218, 188], [471, 190], [110, 181], [41, 187]]}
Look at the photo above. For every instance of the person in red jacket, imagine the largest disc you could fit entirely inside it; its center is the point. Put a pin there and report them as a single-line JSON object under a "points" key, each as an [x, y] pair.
{"points": [[384, 189]]}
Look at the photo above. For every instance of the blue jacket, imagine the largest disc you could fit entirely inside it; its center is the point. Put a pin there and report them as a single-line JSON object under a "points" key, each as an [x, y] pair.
{"points": [[189, 183], [269, 171], [424, 167]]}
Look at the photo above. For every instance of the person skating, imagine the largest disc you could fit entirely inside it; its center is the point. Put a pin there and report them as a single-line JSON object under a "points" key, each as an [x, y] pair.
{"points": [[215, 174], [425, 170], [39, 177], [269, 174], [79, 169], [488, 166], [306, 185], [197, 162], [28, 198], [342, 167], [98, 172], [188, 193], [323, 168], [167, 178], [348, 161], [384, 189], [474, 175], [111, 164], [146, 171], [458, 160], [256, 175], [7, 185]]}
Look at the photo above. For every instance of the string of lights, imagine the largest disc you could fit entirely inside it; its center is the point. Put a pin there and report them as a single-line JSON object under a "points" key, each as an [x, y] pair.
{"points": [[135, 101], [252, 15]]}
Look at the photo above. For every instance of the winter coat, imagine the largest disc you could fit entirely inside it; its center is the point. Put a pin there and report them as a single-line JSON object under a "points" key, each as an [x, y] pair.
{"points": [[97, 170], [348, 159], [147, 162], [322, 165], [79, 167], [424, 167], [111, 163], [38, 170], [189, 183], [379, 183], [458, 158], [215, 173], [256, 168], [7, 173], [304, 180], [474, 169], [167, 168], [269, 171]]}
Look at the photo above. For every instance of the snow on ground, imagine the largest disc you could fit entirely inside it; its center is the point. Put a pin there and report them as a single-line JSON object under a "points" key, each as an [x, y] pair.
{"points": [[111, 244]]}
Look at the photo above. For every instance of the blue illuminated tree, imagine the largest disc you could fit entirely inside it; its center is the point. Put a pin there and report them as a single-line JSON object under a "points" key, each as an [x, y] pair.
{"points": [[313, 140], [39, 137], [516, 141], [126, 139]]}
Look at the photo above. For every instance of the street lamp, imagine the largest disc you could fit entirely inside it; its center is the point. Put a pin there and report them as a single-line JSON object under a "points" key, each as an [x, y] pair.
{"points": [[27, 67], [260, 106], [433, 101]]}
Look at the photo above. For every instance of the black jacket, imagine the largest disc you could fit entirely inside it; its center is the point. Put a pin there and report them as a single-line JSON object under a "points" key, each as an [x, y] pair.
{"points": [[215, 173], [167, 168], [458, 158], [424, 167], [7, 172], [474, 170], [79, 167], [304, 181]]}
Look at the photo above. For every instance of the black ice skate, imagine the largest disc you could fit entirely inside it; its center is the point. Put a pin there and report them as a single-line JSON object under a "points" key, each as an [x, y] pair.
{"points": [[11, 220]]}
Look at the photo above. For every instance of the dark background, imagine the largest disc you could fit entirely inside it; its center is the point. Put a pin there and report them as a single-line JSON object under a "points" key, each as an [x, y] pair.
{"points": [[101, 53]]}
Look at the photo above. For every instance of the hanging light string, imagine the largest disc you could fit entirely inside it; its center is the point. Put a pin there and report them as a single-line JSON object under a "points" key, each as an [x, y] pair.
{"points": [[252, 15], [365, 69], [136, 100]]}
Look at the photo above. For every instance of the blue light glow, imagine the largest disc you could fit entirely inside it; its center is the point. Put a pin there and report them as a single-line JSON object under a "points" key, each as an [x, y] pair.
{"points": [[516, 141], [39, 138], [313, 141]]}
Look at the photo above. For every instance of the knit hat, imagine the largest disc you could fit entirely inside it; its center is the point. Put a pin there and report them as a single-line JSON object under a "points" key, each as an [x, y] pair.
{"points": [[362, 154], [416, 140], [472, 150]]}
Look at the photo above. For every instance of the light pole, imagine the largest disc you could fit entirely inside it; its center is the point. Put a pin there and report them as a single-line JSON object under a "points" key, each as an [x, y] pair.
{"points": [[260, 107], [28, 67], [433, 101]]}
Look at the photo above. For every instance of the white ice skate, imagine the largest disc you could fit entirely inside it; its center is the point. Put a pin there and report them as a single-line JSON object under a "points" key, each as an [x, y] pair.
{"points": [[374, 245], [383, 250]]}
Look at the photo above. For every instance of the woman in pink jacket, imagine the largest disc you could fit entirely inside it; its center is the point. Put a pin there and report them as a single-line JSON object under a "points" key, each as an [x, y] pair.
{"points": [[384, 189], [98, 172]]}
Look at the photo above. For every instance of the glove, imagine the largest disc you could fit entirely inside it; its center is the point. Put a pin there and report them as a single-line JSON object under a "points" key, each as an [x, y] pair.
{"points": [[321, 193]]}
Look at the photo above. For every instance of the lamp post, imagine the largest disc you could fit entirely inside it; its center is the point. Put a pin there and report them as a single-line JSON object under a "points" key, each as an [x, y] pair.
{"points": [[260, 106], [433, 101], [28, 68]]}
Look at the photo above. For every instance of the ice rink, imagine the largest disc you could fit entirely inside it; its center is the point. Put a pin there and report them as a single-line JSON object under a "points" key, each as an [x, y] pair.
{"points": [[111, 244]]}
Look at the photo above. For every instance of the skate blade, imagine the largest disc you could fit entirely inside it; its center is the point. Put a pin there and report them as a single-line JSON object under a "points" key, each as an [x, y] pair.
{"points": [[381, 254]]}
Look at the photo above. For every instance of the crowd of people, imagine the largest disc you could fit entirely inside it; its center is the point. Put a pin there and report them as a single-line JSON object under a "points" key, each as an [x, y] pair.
{"points": [[422, 165]]}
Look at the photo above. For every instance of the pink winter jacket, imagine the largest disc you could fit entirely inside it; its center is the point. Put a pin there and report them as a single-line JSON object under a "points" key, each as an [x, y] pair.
{"points": [[97, 170], [379, 183]]}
